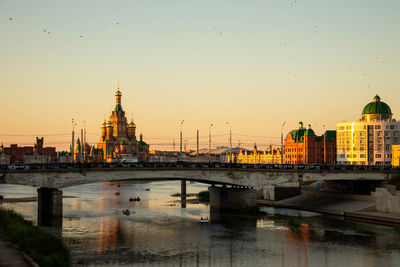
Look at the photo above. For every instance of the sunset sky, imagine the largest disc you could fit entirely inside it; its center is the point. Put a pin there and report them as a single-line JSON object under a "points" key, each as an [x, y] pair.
{"points": [[252, 63]]}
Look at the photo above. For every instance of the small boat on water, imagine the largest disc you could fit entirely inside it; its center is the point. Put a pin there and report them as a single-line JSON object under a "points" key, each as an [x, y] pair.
{"points": [[134, 199], [126, 212], [204, 220]]}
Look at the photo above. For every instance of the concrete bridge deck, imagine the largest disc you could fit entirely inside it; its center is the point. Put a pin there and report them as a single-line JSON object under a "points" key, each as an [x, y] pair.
{"points": [[254, 178]]}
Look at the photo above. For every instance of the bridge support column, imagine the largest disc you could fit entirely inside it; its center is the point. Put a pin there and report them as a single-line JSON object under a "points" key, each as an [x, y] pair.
{"points": [[50, 207], [183, 193], [232, 198]]}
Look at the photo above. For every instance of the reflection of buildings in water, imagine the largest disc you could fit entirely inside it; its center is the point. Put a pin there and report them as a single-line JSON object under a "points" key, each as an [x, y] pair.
{"points": [[295, 252], [110, 228], [234, 228], [110, 234]]}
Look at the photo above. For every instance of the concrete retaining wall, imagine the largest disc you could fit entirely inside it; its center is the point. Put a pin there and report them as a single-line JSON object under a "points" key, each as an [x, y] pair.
{"points": [[386, 201], [338, 195], [276, 193]]}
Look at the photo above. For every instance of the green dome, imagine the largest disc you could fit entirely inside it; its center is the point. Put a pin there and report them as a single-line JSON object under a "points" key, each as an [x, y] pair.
{"points": [[301, 132], [377, 107], [118, 108]]}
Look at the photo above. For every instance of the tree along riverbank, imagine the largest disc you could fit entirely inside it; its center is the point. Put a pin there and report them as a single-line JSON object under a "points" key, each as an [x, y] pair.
{"points": [[40, 246]]}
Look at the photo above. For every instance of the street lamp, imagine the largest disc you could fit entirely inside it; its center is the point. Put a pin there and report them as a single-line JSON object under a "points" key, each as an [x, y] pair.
{"points": [[324, 144], [209, 143], [230, 142], [180, 154], [283, 124]]}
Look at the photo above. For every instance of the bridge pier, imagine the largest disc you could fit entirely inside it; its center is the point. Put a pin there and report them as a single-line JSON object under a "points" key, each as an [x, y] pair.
{"points": [[183, 193], [50, 207], [224, 198]]}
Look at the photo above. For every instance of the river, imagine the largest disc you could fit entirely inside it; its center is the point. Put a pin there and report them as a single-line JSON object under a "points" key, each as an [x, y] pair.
{"points": [[159, 232]]}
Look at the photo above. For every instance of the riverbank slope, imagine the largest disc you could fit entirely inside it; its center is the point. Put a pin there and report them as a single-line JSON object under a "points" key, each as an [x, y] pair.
{"points": [[351, 208]]}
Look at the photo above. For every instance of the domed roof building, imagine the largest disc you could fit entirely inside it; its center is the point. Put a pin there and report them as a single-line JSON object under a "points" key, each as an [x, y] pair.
{"points": [[369, 140], [376, 110], [118, 138], [303, 146]]}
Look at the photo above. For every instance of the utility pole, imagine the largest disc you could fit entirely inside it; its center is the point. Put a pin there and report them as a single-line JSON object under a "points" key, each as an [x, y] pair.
{"points": [[324, 145], [297, 146], [73, 140], [84, 142], [230, 142], [283, 124], [180, 154], [305, 147], [198, 159], [81, 146], [209, 144]]}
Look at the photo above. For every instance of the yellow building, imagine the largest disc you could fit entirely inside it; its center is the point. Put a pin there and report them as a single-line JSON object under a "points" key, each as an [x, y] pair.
{"points": [[395, 155], [271, 156]]}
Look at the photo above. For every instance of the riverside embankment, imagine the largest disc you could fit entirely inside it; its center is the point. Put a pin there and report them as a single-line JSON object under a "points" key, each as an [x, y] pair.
{"points": [[34, 244], [348, 206]]}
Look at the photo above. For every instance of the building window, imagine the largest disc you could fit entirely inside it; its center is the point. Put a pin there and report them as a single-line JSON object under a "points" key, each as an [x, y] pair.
{"points": [[378, 156]]}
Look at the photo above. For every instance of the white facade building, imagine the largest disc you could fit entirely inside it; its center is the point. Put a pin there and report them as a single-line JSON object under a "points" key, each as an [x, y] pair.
{"points": [[369, 140]]}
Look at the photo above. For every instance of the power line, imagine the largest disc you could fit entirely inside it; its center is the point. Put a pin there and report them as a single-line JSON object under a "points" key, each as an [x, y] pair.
{"points": [[34, 134]]}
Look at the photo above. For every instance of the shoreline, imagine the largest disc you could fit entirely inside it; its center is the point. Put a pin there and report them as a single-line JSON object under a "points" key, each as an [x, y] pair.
{"points": [[24, 199], [368, 214]]}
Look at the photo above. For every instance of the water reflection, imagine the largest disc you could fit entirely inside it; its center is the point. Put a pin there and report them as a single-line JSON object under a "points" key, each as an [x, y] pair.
{"points": [[160, 232]]}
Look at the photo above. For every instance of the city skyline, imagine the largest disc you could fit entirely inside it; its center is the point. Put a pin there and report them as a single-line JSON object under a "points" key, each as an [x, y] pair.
{"points": [[254, 66]]}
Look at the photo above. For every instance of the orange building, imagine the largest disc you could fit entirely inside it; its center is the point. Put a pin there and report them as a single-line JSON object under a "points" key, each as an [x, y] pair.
{"points": [[303, 146]]}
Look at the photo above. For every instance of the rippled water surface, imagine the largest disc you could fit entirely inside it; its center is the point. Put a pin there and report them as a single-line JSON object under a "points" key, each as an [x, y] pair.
{"points": [[160, 232]]}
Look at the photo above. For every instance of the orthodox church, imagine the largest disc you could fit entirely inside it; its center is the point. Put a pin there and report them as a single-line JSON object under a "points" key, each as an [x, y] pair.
{"points": [[118, 137]]}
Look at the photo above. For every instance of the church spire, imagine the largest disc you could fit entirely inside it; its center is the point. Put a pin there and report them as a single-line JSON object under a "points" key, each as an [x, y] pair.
{"points": [[118, 95], [118, 108]]}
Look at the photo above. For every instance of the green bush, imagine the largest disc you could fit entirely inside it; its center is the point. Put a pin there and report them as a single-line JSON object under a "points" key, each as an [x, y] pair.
{"points": [[204, 197], [42, 247]]}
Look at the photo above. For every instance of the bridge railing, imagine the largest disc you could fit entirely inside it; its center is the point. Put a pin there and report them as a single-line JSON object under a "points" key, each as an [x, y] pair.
{"points": [[184, 164]]}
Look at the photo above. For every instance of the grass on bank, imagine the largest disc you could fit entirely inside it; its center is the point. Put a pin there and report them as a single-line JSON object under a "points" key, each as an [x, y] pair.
{"points": [[42, 247]]}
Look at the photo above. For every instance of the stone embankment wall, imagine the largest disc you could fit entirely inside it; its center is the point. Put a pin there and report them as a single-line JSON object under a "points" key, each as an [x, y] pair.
{"points": [[387, 201]]}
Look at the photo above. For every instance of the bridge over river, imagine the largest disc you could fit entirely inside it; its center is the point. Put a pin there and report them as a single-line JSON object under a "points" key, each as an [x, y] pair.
{"points": [[231, 188], [245, 177]]}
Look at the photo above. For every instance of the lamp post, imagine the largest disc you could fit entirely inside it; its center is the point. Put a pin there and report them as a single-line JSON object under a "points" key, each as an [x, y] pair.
{"points": [[324, 145], [84, 142], [73, 140], [283, 124], [230, 142], [209, 144], [180, 154]]}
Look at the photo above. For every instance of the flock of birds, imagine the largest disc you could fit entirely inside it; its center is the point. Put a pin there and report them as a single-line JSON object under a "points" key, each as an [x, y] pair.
{"points": [[48, 32], [220, 33]]}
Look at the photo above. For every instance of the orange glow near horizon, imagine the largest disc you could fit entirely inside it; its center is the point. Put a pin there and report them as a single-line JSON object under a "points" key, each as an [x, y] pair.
{"points": [[312, 61]]}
